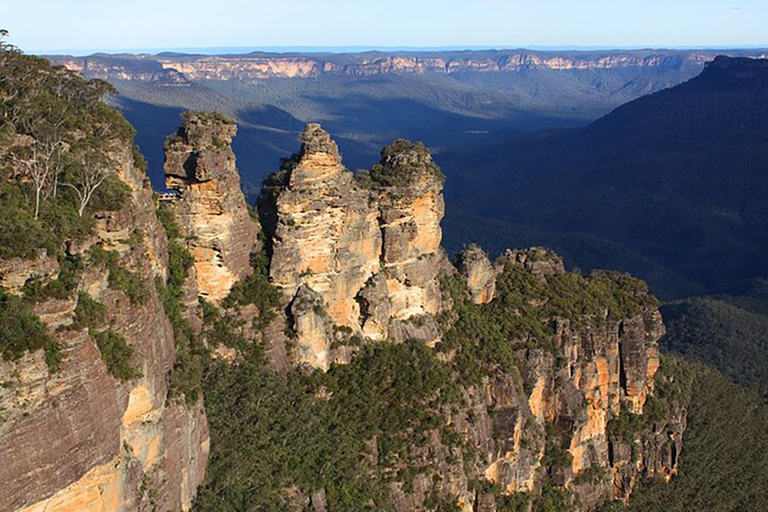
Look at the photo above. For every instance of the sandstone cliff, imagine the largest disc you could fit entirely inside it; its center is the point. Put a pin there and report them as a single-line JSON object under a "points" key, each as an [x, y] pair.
{"points": [[359, 260], [368, 246], [181, 70], [200, 169], [478, 385], [562, 416], [80, 439]]}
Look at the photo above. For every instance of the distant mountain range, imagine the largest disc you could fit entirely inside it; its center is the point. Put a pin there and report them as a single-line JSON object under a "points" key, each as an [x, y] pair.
{"points": [[173, 68], [643, 189], [677, 181], [445, 99]]}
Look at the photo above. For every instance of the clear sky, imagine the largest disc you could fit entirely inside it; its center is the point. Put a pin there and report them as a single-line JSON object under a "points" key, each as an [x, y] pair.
{"points": [[66, 25]]}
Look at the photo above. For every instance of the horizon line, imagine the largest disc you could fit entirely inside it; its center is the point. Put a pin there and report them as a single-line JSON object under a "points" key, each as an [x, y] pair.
{"points": [[339, 49]]}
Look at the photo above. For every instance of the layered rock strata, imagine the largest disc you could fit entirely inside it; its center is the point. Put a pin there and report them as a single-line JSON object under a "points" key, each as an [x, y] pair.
{"points": [[180, 70], [558, 401], [79, 439], [368, 246], [201, 172]]}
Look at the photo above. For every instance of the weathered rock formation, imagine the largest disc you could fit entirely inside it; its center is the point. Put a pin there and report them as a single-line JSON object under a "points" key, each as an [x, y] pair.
{"points": [[368, 247], [200, 169], [476, 267], [554, 419], [409, 186], [79, 439], [565, 399], [326, 234]]}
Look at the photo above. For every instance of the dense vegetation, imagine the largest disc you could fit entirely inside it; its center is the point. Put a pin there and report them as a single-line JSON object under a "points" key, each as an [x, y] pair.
{"points": [[724, 462], [21, 330], [488, 337], [118, 356], [728, 332], [58, 142], [270, 432]]}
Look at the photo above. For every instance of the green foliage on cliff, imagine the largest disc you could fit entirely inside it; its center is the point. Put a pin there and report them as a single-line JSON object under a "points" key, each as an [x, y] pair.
{"points": [[116, 354], [120, 278], [179, 258], [270, 432], [402, 164], [88, 313], [487, 337], [21, 330], [21, 235], [724, 461], [70, 269], [57, 153], [207, 116], [187, 375]]}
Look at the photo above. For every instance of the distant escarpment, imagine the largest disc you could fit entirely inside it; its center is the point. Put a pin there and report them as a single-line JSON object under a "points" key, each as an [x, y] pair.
{"points": [[183, 69], [333, 359]]}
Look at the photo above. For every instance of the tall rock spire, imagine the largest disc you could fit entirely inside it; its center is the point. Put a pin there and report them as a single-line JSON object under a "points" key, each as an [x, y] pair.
{"points": [[200, 167], [368, 247]]}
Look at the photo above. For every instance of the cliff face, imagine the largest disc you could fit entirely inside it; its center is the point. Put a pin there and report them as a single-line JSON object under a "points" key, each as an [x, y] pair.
{"points": [[560, 418], [200, 170], [358, 260], [368, 248], [471, 385], [79, 438], [249, 67]]}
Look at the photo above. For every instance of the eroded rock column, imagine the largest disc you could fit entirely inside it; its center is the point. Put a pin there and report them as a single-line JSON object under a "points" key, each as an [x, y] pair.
{"points": [[200, 168]]}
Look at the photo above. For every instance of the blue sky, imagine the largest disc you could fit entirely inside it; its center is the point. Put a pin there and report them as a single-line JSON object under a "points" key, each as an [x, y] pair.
{"points": [[67, 25]]}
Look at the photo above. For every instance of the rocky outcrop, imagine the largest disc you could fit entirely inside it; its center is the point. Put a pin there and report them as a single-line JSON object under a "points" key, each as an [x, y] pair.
{"points": [[313, 328], [539, 261], [322, 227], [200, 170], [558, 416], [368, 246], [15, 272], [79, 438], [476, 267], [409, 189]]}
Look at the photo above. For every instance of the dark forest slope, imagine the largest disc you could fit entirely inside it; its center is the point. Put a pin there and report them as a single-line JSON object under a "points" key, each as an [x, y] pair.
{"points": [[678, 177]]}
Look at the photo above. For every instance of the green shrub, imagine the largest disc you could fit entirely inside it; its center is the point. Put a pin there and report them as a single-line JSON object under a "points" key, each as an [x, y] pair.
{"points": [[138, 159], [117, 355], [89, 313], [111, 196], [70, 269], [20, 234], [130, 283], [556, 455], [593, 474], [21, 331], [256, 289]]}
